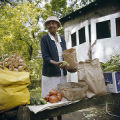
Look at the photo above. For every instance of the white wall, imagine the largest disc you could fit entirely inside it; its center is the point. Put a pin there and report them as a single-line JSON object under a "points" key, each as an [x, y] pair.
{"points": [[106, 47], [102, 49]]}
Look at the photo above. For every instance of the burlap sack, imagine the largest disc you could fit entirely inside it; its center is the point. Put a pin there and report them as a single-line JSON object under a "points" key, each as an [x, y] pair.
{"points": [[91, 73], [69, 56], [73, 91]]}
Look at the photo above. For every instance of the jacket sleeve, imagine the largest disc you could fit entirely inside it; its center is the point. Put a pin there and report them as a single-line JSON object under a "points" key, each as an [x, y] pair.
{"points": [[45, 51]]}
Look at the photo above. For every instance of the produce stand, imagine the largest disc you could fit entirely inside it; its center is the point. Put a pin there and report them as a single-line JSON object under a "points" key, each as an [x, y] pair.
{"points": [[23, 112]]}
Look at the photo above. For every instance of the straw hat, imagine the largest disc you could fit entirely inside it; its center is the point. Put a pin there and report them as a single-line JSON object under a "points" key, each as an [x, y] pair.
{"points": [[52, 18]]}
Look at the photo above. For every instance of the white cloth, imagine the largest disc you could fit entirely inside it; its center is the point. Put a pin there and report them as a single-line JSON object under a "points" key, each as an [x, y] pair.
{"points": [[51, 82], [38, 108]]}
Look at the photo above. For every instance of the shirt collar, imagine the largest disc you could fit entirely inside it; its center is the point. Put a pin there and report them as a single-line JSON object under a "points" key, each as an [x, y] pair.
{"points": [[52, 38]]}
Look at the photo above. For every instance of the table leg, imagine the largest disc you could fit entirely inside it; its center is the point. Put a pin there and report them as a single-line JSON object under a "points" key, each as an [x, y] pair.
{"points": [[23, 113]]}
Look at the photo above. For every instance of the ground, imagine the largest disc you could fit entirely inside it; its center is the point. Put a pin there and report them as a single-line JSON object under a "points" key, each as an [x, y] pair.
{"points": [[93, 113]]}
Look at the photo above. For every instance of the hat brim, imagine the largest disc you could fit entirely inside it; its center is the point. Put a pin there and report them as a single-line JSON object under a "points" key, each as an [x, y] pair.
{"points": [[59, 24]]}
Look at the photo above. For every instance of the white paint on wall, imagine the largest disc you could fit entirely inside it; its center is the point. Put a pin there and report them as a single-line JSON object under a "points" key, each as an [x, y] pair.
{"points": [[103, 49], [106, 47]]}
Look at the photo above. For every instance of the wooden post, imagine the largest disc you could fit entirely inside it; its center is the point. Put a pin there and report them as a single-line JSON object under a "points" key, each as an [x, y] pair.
{"points": [[23, 113]]}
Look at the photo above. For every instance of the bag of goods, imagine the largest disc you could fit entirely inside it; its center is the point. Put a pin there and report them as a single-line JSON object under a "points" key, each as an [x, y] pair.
{"points": [[14, 63], [54, 96], [73, 91], [69, 56], [13, 89], [91, 72]]}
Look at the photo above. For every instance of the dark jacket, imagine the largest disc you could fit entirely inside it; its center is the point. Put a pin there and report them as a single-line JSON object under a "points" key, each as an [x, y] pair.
{"points": [[49, 52]]}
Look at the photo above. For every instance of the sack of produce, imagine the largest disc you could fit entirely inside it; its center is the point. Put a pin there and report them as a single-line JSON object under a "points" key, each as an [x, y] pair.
{"points": [[13, 63], [91, 73], [69, 56], [13, 89], [73, 91], [13, 83]]}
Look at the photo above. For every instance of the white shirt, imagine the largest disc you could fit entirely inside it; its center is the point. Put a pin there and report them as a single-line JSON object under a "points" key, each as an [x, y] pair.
{"points": [[51, 82], [59, 48]]}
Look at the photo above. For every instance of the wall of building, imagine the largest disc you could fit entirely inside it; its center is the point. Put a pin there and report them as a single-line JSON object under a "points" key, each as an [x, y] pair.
{"points": [[104, 47]]}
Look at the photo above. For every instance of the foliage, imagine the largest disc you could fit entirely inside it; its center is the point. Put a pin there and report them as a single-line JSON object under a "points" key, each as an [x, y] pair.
{"points": [[19, 34], [76, 4], [112, 65], [17, 29], [59, 7], [35, 69]]}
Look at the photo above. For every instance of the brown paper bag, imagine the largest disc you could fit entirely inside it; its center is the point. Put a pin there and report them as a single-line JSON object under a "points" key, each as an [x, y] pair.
{"points": [[73, 91], [91, 73], [69, 56]]}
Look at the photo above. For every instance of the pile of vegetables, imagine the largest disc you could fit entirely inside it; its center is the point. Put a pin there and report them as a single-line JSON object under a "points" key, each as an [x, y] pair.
{"points": [[37, 101], [111, 65], [13, 63], [35, 92], [54, 96], [35, 97]]}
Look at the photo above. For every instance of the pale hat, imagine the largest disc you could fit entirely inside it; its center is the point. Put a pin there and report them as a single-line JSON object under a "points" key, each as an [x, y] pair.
{"points": [[52, 18]]}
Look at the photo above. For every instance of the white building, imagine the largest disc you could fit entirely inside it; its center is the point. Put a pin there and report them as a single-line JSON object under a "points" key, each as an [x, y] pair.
{"points": [[98, 21]]}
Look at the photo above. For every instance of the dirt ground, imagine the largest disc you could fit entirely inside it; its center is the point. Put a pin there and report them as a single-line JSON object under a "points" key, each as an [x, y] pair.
{"points": [[93, 113]]}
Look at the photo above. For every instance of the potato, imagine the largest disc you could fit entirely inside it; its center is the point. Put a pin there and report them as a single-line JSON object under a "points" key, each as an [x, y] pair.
{"points": [[1, 66], [15, 69], [16, 65], [6, 64], [11, 67], [1, 63], [6, 59], [20, 68], [20, 60]]}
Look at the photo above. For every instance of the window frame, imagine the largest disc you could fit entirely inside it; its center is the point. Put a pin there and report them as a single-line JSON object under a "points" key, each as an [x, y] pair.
{"points": [[77, 28], [110, 17], [92, 22], [75, 40]]}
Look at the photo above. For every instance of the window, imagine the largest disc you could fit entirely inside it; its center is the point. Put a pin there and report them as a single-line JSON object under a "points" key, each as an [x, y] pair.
{"points": [[103, 29], [73, 39], [82, 37], [118, 26], [89, 29]]}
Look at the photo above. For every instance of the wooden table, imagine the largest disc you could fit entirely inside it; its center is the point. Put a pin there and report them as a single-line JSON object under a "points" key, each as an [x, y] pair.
{"points": [[23, 112]]}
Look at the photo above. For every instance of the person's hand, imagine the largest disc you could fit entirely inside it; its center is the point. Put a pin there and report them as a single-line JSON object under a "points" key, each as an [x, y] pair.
{"points": [[55, 63], [64, 65], [60, 64]]}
